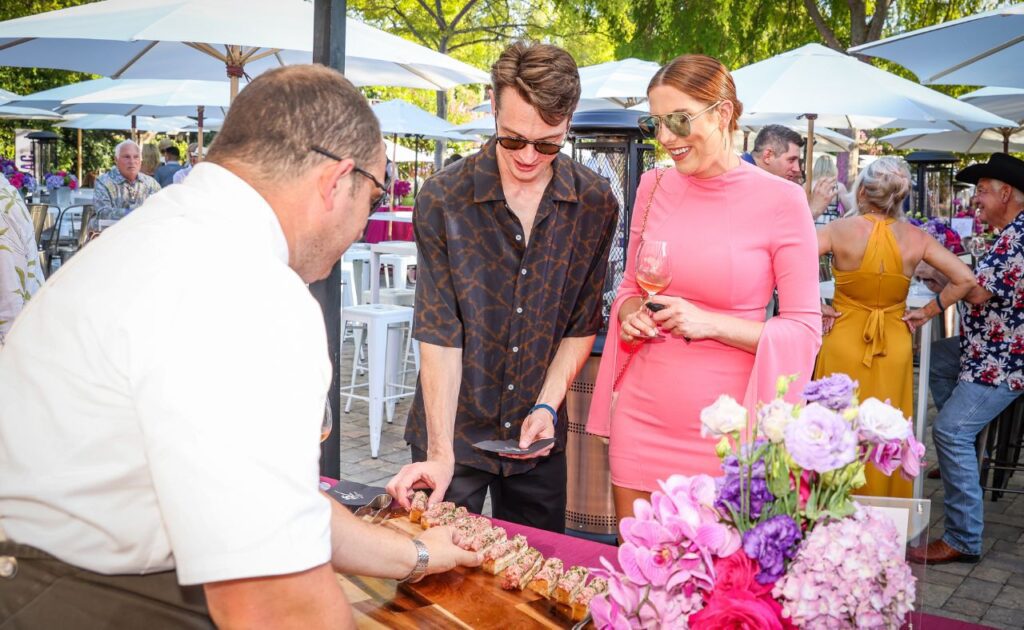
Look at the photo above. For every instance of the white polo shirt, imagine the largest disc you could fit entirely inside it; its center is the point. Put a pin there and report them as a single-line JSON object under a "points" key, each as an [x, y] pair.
{"points": [[161, 397]]}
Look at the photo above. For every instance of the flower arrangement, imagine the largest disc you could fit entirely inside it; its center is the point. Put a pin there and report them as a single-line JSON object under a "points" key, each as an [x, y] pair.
{"points": [[940, 230], [402, 188], [776, 541], [61, 178], [19, 179]]}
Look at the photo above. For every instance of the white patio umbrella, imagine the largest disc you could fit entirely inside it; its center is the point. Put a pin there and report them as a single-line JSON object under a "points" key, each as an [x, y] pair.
{"points": [[404, 155], [821, 83], [985, 141], [825, 139], [206, 39], [23, 113], [982, 49], [400, 118], [585, 104], [155, 97], [483, 126], [623, 82], [111, 122], [1005, 102]]}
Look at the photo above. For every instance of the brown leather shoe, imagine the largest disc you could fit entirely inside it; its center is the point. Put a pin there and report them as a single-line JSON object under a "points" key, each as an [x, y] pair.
{"points": [[938, 552]]}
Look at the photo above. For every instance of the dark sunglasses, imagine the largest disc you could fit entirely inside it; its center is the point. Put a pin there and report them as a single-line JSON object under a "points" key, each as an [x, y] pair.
{"points": [[679, 123], [515, 144], [389, 175]]}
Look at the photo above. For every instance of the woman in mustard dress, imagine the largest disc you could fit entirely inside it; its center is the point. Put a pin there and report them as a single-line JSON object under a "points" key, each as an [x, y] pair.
{"points": [[874, 255]]}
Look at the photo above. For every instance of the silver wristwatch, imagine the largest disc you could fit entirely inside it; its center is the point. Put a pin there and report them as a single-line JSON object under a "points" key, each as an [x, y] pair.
{"points": [[422, 560]]}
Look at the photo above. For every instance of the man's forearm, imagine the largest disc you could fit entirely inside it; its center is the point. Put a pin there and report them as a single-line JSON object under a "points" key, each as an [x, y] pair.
{"points": [[391, 554], [441, 379], [572, 353]]}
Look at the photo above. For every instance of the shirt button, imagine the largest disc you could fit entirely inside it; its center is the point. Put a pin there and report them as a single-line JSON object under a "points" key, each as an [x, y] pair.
{"points": [[523, 272], [515, 348], [519, 309], [508, 425], [519, 237], [511, 387]]}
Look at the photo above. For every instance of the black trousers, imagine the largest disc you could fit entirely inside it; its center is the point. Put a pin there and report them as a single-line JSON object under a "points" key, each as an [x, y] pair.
{"points": [[48, 593], [535, 498]]}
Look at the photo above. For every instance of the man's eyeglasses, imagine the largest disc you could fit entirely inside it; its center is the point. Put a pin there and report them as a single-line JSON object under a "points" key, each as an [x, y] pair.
{"points": [[389, 174], [679, 123], [515, 144]]}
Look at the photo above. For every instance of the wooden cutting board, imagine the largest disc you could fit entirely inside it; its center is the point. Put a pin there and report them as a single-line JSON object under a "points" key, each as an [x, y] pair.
{"points": [[461, 598]]}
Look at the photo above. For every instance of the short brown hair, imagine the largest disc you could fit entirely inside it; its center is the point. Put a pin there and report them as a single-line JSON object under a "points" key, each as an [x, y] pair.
{"points": [[545, 76], [704, 78], [275, 119]]}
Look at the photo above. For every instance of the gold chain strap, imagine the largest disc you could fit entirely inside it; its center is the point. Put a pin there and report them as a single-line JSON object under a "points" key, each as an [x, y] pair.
{"points": [[643, 231]]}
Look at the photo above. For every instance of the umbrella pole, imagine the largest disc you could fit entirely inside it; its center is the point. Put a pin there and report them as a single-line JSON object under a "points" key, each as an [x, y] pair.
{"points": [[135, 132], [79, 156], [809, 160], [1006, 140], [746, 139], [416, 168], [394, 161], [199, 140]]}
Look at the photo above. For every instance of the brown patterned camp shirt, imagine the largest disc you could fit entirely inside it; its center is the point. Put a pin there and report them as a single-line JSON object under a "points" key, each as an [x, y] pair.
{"points": [[508, 306]]}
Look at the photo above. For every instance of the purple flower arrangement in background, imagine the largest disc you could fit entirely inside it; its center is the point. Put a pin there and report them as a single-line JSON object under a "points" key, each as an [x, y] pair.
{"points": [[402, 188], [777, 535], [60, 178], [19, 179]]}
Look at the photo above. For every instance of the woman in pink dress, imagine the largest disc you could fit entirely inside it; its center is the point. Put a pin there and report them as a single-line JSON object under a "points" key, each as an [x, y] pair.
{"points": [[735, 232]]}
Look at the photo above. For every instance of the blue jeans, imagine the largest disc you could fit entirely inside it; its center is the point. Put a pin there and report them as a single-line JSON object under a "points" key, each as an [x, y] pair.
{"points": [[945, 369], [964, 411]]}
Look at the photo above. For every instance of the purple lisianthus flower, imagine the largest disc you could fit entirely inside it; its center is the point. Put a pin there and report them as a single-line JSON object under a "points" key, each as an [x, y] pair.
{"points": [[771, 543], [820, 439], [834, 391], [729, 495], [731, 464]]}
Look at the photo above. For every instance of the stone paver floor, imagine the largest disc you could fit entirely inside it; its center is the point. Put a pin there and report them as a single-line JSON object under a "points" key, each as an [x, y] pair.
{"points": [[989, 593]]}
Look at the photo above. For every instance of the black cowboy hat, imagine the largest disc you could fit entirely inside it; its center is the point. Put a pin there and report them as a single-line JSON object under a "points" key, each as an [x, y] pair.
{"points": [[1001, 166]]}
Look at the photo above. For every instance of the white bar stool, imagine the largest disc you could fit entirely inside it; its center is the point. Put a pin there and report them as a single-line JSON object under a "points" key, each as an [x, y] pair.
{"points": [[401, 265], [384, 345]]}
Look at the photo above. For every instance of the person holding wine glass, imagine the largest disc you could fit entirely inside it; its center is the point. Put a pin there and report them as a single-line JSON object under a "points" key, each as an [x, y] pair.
{"points": [[735, 232]]}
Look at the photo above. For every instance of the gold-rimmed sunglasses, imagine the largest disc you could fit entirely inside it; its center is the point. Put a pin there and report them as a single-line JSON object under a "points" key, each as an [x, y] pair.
{"points": [[513, 143], [679, 123]]}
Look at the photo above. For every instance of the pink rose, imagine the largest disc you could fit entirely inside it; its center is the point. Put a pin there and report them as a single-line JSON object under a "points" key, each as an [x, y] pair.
{"points": [[738, 609], [737, 573]]}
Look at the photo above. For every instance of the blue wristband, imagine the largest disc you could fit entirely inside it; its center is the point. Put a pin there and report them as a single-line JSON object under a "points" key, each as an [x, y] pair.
{"points": [[549, 409]]}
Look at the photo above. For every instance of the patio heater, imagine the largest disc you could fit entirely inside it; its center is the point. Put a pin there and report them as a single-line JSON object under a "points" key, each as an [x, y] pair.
{"points": [[44, 153], [933, 181], [609, 143]]}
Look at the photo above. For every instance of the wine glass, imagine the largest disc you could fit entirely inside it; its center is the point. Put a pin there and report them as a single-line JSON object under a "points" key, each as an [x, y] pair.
{"points": [[653, 270], [328, 421], [977, 247]]}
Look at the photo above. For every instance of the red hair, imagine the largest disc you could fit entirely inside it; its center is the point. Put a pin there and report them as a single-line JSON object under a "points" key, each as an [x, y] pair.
{"points": [[702, 77]]}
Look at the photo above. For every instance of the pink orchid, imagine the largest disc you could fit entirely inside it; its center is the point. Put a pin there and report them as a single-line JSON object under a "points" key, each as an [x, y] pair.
{"points": [[912, 453]]}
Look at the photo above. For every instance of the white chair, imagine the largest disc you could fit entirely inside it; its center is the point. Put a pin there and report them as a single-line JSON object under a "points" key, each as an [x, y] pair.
{"points": [[401, 265], [385, 327]]}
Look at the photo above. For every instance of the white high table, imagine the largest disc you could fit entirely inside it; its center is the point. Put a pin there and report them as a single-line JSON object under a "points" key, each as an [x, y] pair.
{"points": [[919, 296], [399, 216], [401, 248]]}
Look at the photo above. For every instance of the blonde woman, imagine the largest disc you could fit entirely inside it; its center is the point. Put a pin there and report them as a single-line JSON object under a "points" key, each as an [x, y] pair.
{"points": [[150, 159], [874, 254]]}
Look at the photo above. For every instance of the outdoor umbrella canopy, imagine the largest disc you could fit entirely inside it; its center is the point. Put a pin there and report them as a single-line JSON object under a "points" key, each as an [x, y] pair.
{"points": [[986, 141], [206, 39], [831, 87], [398, 117], [483, 126], [622, 82], [585, 104], [982, 49], [1005, 102], [152, 97], [112, 122], [398, 153], [23, 113]]}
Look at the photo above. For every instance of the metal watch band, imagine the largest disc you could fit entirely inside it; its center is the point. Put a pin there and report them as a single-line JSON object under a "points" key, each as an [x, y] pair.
{"points": [[422, 560]]}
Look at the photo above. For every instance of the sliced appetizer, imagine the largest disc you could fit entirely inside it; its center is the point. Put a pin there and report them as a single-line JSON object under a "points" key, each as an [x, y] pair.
{"points": [[522, 570], [501, 556], [418, 507], [570, 584], [581, 600], [547, 578], [487, 538], [440, 514]]}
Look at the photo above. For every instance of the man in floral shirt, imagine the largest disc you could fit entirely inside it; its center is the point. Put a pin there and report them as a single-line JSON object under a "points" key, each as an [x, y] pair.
{"points": [[123, 188], [974, 388], [20, 272]]}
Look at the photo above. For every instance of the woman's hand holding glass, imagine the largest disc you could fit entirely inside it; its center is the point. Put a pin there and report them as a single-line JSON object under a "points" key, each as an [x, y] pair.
{"points": [[638, 325]]}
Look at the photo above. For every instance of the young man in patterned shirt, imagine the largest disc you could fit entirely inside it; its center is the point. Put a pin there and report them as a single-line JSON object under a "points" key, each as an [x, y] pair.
{"points": [[513, 246], [974, 378]]}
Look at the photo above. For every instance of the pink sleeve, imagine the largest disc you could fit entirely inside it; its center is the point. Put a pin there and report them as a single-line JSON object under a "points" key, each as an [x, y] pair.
{"points": [[789, 343], [616, 351]]}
